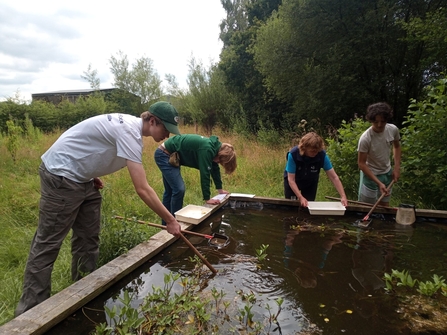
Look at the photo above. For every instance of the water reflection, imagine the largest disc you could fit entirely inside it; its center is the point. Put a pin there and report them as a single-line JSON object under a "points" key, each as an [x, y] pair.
{"points": [[370, 262], [307, 261], [329, 273]]}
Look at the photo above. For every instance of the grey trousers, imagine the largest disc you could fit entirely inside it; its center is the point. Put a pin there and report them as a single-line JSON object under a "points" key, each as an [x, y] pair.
{"points": [[64, 205]]}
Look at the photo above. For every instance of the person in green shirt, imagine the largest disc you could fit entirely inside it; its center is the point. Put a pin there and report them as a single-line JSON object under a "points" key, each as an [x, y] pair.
{"points": [[198, 152]]}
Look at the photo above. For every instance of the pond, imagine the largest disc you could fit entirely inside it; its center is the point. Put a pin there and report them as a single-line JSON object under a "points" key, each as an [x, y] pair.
{"points": [[327, 273]]}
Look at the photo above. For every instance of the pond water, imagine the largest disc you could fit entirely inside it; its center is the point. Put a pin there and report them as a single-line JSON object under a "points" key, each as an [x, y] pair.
{"points": [[328, 272]]}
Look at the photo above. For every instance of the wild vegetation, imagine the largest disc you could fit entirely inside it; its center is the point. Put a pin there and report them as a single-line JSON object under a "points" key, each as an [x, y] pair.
{"points": [[286, 68], [260, 167], [20, 193], [197, 309]]}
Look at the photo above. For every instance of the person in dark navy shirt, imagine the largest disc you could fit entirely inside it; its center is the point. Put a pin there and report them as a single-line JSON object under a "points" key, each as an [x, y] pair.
{"points": [[302, 172]]}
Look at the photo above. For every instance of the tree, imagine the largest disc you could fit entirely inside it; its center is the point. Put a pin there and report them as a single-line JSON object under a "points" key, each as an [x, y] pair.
{"points": [[92, 77], [429, 31], [141, 79], [238, 31], [208, 100], [236, 20], [174, 88], [331, 58], [178, 97]]}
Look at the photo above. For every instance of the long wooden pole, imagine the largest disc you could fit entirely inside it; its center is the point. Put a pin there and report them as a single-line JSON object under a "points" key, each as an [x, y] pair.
{"points": [[377, 202], [198, 254], [362, 203], [204, 260], [163, 227]]}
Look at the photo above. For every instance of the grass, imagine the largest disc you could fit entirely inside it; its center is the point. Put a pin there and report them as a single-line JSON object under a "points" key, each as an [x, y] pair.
{"points": [[260, 172]]}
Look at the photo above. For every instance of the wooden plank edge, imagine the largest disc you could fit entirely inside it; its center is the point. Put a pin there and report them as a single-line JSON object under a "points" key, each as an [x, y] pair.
{"points": [[428, 213], [58, 307]]}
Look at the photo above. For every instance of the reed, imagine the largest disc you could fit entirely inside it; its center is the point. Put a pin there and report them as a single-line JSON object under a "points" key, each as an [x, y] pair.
{"points": [[260, 172]]}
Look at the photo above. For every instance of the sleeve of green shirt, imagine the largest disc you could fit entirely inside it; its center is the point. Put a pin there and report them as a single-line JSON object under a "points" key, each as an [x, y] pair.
{"points": [[207, 168], [215, 174]]}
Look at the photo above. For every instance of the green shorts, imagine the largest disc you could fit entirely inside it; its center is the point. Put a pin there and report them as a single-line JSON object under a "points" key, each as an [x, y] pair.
{"points": [[369, 191]]}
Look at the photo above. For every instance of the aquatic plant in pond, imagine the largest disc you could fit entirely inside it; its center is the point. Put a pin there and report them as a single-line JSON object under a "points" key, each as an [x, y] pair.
{"points": [[421, 304], [195, 310], [261, 252]]}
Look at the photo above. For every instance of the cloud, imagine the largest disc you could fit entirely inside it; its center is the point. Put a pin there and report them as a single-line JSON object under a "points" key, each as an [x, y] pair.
{"points": [[33, 38], [47, 45]]}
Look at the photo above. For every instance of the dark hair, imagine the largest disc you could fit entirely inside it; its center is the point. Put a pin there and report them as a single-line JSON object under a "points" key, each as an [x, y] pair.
{"points": [[379, 108]]}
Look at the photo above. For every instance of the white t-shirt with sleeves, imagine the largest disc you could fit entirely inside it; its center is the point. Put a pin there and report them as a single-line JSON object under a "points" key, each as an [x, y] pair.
{"points": [[96, 147], [378, 147]]}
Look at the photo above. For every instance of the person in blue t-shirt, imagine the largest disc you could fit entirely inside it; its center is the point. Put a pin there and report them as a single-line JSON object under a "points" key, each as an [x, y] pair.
{"points": [[302, 172]]}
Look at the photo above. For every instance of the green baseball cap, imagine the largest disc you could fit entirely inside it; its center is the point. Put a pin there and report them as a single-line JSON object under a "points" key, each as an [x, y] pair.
{"points": [[167, 114]]}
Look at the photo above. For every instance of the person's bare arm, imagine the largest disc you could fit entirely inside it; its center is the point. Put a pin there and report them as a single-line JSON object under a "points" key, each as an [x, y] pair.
{"points": [[361, 161], [333, 177], [295, 189], [150, 198]]}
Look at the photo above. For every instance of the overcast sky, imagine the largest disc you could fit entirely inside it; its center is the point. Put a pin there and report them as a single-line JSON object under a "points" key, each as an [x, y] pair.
{"points": [[46, 45]]}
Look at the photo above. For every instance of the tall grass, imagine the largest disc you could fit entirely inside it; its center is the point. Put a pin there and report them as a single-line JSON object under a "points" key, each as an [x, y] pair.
{"points": [[260, 171]]}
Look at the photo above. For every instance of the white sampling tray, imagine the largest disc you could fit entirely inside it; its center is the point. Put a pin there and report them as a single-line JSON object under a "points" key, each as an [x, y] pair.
{"points": [[326, 208], [193, 214]]}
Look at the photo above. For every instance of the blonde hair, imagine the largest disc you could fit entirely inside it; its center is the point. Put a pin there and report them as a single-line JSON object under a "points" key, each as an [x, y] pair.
{"points": [[227, 158], [310, 141]]}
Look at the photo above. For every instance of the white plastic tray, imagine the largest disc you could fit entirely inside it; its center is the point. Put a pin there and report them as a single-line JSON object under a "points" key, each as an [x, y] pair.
{"points": [[242, 195], [193, 214], [326, 208]]}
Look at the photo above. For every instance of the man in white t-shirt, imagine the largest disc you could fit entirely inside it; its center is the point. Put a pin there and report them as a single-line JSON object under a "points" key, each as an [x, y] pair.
{"points": [[70, 197], [374, 151]]}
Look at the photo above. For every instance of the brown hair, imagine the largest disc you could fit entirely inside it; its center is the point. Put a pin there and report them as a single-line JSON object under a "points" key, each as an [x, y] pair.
{"points": [[146, 116], [310, 141], [227, 158]]}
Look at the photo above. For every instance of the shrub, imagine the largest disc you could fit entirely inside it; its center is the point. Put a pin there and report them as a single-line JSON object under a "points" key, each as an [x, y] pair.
{"points": [[32, 133], [117, 238], [12, 141], [44, 115], [424, 151], [269, 137], [342, 150]]}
